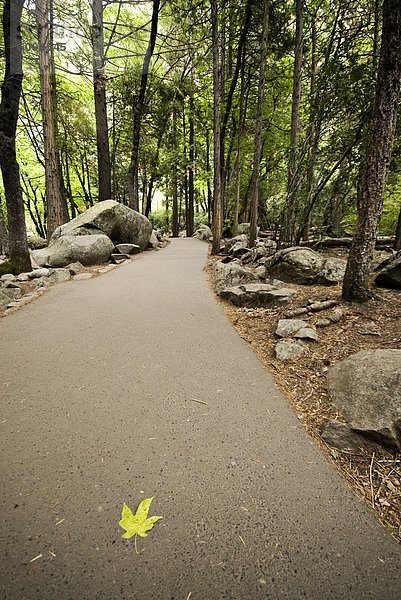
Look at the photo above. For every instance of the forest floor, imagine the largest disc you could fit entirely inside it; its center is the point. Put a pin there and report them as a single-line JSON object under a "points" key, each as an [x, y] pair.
{"points": [[375, 477]]}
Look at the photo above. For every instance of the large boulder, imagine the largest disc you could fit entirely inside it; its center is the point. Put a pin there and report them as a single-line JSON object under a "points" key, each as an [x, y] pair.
{"points": [[304, 266], [366, 389], [203, 233], [257, 294], [390, 274], [237, 241], [228, 275], [87, 249], [120, 223], [244, 228]]}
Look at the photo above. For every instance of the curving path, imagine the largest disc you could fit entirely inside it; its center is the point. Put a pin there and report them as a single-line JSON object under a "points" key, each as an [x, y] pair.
{"points": [[98, 382]]}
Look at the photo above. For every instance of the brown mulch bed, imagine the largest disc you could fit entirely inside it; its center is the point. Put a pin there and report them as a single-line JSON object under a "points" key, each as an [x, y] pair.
{"points": [[376, 324]]}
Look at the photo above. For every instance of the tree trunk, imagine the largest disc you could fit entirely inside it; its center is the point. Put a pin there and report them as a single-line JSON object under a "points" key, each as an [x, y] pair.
{"points": [[190, 220], [99, 85], [3, 232], [240, 57], [294, 178], [55, 111], [335, 208], [217, 197], [175, 216], [138, 106], [374, 171], [57, 212], [209, 188], [19, 259], [397, 241], [254, 187]]}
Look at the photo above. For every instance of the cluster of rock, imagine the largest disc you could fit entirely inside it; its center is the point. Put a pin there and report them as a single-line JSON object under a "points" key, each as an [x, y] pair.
{"points": [[107, 231], [291, 265], [365, 388], [245, 288], [256, 276], [18, 290], [92, 236], [298, 265], [287, 349]]}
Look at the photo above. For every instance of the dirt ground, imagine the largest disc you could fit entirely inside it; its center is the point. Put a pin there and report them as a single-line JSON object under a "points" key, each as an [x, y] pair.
{"points": [[375, 477]]}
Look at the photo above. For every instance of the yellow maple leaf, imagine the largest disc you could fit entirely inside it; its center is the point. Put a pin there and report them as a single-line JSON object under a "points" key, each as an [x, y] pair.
{"points": [[138, 523]]}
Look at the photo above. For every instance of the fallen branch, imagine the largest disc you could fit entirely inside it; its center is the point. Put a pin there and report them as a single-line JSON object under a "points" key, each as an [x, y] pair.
{"points": [[315, 307]]}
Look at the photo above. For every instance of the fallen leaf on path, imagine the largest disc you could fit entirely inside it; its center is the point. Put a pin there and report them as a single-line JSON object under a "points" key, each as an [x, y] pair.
{"points": [[137, 524]]}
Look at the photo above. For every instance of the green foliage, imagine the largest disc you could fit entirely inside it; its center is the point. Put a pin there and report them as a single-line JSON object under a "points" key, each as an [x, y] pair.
{"points": [[334, 109]]}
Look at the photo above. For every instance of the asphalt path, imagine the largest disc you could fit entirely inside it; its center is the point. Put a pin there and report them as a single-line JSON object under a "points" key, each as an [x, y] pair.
{"points": [[132, 385]]}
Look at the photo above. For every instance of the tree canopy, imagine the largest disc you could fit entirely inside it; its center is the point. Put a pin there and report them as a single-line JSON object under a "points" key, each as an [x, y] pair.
{"points": [[189, 111]]}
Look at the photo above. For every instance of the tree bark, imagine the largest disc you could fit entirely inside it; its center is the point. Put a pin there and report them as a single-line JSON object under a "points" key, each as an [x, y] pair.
{"points": [[374, 171], [138, 106], [230, 96], [175, 216], [217, 184], [57, 212], [397, 241], [99, 86], [254, 187], [293, 182], [190, 220], [3, 232], [209, 187], [18, 252]]}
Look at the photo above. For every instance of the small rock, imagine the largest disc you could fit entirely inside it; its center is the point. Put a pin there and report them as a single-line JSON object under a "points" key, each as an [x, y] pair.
{"points": [[75, 268], [23, 277], [128, 248], [257, 294], [288, 350], [7, 296], [260, 271], [41, 282], [35, 242], [82, 276], [390, 275], [336, 315], [11, 284], [307, 333], [60, 275], [8, 277], [119, 258], [153, 241], [341, 436], [322, 322], [41, 272], [287, 327]]}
